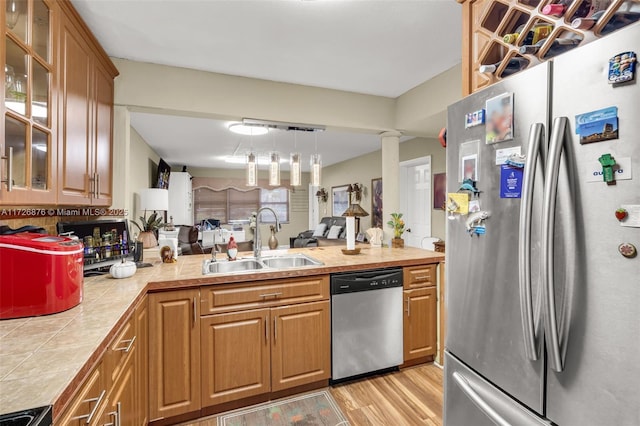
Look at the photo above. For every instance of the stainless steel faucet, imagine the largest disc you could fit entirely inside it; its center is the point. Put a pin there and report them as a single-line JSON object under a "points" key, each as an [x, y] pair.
{"points": [[257, 243], [213, 249]]}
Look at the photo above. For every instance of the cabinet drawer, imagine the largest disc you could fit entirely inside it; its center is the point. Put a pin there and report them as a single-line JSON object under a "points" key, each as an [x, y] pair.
{"points": [[223, 298], [120, 348], [420, 276], [89, 403]]}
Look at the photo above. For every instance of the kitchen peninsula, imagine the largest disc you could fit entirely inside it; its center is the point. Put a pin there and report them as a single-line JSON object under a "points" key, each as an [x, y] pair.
{"points": [[101, 345]]}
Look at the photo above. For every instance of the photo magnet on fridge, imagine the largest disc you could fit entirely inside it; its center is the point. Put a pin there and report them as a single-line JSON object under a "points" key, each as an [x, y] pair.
{"points": [[622, 68], [473, 119], [510, 182], [597, 126], [499, 127]]}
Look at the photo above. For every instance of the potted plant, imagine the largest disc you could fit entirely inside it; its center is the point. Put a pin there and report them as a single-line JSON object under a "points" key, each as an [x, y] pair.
{"points": [[397, 224], [148, 229]]}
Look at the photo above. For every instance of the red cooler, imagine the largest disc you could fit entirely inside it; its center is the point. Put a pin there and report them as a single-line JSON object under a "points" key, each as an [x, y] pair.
{"points": [[39, 274]]}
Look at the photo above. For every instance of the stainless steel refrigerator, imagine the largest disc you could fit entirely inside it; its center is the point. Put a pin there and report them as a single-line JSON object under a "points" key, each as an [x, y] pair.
{"points": [[543, 309]]}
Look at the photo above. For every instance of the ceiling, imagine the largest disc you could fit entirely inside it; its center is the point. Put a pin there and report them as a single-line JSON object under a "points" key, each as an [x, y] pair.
{"points": [[206, 142], [379, 47]]}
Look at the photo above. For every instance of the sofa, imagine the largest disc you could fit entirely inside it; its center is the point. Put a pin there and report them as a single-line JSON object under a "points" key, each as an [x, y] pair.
{"points": [[188, 240], [323, 235]]}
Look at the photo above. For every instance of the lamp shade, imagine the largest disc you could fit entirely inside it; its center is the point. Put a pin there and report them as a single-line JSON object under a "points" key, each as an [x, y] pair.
{"points": [[154, 199], [355, 210]]}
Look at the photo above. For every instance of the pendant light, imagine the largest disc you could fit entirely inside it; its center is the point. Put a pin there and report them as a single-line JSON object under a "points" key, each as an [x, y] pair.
{"points": [[274, 165], [252, 169], [295, 174], [274, 169], [316, 166]]}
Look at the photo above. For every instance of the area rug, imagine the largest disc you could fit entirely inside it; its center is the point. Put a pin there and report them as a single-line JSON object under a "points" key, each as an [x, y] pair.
{"points": [[313, 409]]}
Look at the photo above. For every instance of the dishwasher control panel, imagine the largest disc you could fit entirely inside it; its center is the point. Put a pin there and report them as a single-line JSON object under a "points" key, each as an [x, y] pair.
{"points": [[366, 281]]}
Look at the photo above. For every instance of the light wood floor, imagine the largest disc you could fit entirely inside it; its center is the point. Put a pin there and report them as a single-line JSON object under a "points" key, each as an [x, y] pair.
{"points": [[410, 397]]}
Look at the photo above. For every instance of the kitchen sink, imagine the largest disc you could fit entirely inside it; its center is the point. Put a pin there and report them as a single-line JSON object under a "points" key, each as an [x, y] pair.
{"points": [[290, 261], [252, 264], [225, 266]]}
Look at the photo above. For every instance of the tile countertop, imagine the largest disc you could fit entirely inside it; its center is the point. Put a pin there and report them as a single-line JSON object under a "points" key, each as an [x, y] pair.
{"points": [[41, 357]]}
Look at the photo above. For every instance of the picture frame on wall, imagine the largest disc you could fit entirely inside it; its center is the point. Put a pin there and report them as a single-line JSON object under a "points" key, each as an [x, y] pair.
{"points": [[376, 203], [439, 190], [164, 172], [339, 199]]}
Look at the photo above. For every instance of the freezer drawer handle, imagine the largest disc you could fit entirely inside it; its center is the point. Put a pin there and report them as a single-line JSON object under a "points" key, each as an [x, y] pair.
{"points": [[466, 387], [536, 134], [559, 134]]}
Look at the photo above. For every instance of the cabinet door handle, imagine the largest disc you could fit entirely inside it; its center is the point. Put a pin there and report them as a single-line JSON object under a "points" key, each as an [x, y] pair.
{"points": [[129, 345], [195, 312], [266, 329], [92, 413], [97, 185], [9, 180], [271, 295], [408, 306], [275, 329]]}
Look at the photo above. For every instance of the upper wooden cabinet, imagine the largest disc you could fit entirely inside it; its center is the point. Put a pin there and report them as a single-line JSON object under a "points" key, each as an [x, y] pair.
{"points": [[57, 107], [485, 23], [28, 106], [85, 119]]}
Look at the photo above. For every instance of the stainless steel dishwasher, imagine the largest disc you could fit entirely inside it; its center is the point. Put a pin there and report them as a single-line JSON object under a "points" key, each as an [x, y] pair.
{"points": [[366, 322]]}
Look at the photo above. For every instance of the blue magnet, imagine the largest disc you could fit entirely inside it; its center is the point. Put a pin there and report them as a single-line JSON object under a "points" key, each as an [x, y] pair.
{"points": [[622, 68]]}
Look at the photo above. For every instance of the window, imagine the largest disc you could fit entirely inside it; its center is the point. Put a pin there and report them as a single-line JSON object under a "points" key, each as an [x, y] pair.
{"points": [[233, 205]]}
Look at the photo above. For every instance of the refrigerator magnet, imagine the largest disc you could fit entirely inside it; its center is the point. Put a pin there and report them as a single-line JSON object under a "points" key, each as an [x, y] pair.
{"points": [[458, 203], [622, 68], [499, 127], [597, 126], [510, 181], [473, 119]]}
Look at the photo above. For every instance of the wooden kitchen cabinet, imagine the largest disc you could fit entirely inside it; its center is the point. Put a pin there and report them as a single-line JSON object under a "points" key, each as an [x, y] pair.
{"points": [[420, 276], [142, 362], [236, 356], [486, 22], [420, 332], [122, 404], [174, 363], [86, 119], [89, 404], [301, 346]]}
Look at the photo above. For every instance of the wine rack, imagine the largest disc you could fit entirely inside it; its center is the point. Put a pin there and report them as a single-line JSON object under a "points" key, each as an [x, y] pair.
{"points": [[486, 22]]}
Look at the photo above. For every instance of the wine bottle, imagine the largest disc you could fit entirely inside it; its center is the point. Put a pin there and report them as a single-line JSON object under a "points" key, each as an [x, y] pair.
{"points": [[587, 23], [619, 20], [513, 66], [558, 46], [512, 37], [537, 33], [556, 9]]}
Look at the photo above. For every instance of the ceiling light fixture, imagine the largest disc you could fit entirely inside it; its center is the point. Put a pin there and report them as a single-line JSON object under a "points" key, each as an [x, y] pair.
{"points": [[248, 130], [295, 171], [316, 166]]}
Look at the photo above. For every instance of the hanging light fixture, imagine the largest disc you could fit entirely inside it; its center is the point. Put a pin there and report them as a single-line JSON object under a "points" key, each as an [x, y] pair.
{"points": [[316, 166], [295, 173], [252, 169], [274, 169], [274, 165]]}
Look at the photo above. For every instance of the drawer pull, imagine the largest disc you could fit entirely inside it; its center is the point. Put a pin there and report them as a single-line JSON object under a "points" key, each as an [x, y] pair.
{"points": [[264, 296], [129, 344], [98, 401], [422, 277]]}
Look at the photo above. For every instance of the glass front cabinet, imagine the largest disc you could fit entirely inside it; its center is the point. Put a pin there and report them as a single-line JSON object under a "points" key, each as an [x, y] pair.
{"points": [[27, 105]]}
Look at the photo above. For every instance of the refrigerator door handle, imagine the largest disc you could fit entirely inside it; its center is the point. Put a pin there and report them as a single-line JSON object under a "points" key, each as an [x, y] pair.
{"points": [[558, 136], [531, 348], [468, 389]]}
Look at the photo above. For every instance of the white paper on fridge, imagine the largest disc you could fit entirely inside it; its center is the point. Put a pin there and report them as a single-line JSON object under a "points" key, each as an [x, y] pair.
{"points": [[621, 171], [503, 154], [633, 215]]}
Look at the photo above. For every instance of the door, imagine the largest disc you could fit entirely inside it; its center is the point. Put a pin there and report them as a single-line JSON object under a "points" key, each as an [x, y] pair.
{"points": [[415, 200], [74, 154], [236, 356], [102, 146], [301, 346], [174, 364], [598, 319], [122, 408], [484, 322], [419, 323]]}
